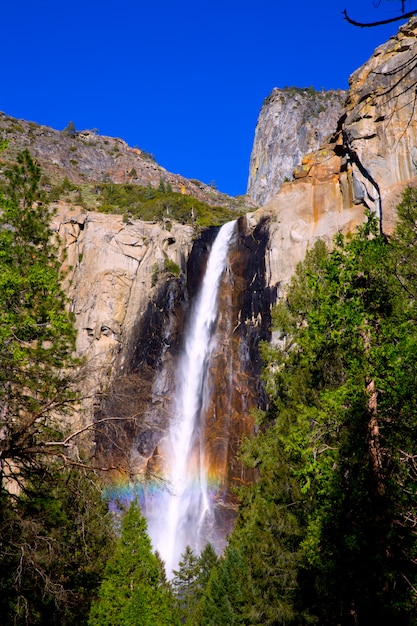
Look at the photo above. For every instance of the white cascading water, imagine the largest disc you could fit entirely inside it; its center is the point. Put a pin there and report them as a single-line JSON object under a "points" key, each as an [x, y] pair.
{"points": [[185, 512]]}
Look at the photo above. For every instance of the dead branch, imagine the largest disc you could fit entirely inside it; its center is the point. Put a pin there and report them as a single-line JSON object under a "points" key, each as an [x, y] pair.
{"points": [[403, 16]]}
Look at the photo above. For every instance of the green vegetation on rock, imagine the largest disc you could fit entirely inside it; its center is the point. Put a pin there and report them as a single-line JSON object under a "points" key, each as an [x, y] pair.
{"points": [[160, 203]]}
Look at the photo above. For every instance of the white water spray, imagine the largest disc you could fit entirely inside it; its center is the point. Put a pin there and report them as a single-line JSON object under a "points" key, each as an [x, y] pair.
{"points": [[186, 512]]}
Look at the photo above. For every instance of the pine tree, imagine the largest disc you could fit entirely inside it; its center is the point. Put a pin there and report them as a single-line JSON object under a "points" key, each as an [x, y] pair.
{"points": [[50, 516], [133, 591], [206, 561], [190, 582], [227, 592], [327, 533], [185, 584], [37, 336], [55, 539]]}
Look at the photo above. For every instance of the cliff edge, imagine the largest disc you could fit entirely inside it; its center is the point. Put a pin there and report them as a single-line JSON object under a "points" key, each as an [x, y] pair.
{"points": [[366, 164]]}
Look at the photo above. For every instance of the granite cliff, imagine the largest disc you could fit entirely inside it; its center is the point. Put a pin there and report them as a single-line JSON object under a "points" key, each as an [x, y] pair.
{"points": [[366, 163], [292, 122]]}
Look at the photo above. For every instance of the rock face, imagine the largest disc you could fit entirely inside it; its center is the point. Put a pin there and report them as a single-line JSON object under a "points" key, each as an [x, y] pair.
{"points": [[380, 126], [86, 158], [368, 161], [244, 320], [116, 276], [142, 385], [292, 122]]}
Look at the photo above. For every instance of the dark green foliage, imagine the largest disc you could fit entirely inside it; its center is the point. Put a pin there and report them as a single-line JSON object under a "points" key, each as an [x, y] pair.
{"points": [[66, 186], [172, 268], [70, 130], [55, 539], [190, 582], [53, 527], [228, 592], [150, 204], [206, 561], [36, 331], [134, 589], [185, 584], [328, 532]]}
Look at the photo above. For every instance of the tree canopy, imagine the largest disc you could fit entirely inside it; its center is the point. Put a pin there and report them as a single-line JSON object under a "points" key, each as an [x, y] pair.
{"points": [[54, 527], [37, 337], [327, 534], [134, 591]]}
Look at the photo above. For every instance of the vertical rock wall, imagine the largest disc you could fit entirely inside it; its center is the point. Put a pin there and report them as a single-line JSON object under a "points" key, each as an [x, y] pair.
{"points": [[366, 164], [134, 411], [235, 366], [292, 122]]}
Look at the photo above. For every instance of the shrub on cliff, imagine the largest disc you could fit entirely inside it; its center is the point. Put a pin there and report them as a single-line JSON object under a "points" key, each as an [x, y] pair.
{"points": [[157, 204]]}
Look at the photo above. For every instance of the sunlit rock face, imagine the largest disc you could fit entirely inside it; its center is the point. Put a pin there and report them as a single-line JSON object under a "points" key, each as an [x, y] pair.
{"points": [[115, 276], [292, 122], [366, 164], [380, 124]]}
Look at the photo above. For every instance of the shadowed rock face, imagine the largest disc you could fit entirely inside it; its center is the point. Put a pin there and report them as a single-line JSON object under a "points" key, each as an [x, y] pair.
{"points": [[243, 321]]}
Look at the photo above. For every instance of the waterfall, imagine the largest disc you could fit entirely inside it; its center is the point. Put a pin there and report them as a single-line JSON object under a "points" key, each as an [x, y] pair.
{"points": [[184, 515]]}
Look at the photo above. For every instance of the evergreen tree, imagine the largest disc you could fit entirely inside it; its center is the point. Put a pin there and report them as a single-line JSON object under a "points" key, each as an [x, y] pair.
{"points": [[185, 583], [52, 520], [134, 591], [190, 582], [206, 561], [55, 539], [70, 130], [227, 593], [327, 533], [37, 336]]}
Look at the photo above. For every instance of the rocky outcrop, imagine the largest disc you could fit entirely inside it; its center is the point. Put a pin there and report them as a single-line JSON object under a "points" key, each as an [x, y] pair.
{"points": [[116, 274], [379, 129], [87, 158], [292, 123], [369, 160]]}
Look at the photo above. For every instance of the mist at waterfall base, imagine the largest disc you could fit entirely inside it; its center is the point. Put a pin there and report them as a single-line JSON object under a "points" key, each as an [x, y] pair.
{"points": [[179, 507]]}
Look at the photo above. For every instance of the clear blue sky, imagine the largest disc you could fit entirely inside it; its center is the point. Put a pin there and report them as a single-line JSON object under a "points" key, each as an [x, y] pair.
{"points": [[182, 80]]}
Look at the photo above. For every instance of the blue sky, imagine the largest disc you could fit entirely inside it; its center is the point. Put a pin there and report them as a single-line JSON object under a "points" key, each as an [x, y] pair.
{"points": [[182, 80]]}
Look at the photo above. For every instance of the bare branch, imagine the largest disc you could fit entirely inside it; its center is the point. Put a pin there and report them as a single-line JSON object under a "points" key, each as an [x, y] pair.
{"points": [[403, 16]]}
